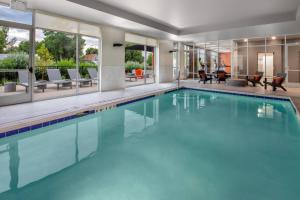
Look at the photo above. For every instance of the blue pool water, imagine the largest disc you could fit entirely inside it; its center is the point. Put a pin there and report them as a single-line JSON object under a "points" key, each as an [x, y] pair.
{"points": [[182, 145]]}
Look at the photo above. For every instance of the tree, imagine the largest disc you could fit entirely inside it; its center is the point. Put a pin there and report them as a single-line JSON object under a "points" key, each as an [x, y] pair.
{"points": [[24, 46], [61, 45], [3, 38], [91, 50], [134, 56], [10, 45], [149, 59], [45, 59]]}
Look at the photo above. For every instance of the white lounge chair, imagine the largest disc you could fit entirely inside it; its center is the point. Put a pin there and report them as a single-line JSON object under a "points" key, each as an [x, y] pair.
{"points": [[55, 77], [24, 78], [93, 74], [82, 81]]}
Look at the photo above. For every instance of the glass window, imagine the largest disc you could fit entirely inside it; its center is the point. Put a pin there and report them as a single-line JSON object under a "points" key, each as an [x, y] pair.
{"points": [[293, 58], [89, 65], [55, 61], [225, 56], [8, 14], [134, 64], [275, 53], [240, 63], [256, 58], [14, 63]]}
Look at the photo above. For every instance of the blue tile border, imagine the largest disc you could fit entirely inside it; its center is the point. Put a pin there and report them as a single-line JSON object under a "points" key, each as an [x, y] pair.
{"points": [[2, 135], [10, 133], [135, 100], [25, 129], [85, 113]]}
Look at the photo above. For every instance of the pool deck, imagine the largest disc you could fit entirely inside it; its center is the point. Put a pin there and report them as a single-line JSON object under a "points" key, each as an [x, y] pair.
{"points": [[22, 115]]}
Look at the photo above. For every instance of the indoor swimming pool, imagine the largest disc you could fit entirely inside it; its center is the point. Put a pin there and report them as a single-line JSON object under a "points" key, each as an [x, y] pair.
{"points": [[185, 144]]}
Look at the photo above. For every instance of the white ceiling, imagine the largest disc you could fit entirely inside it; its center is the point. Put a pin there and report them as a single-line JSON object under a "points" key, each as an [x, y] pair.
{"points": [[75, 11], [192, 20], [193, 13]]}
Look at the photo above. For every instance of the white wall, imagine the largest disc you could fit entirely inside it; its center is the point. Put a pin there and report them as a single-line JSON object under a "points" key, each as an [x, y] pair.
{"points": [[113, 59], [165, 69]]}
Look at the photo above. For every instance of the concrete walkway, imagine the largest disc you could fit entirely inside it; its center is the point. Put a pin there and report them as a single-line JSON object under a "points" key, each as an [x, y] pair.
{"points": [[25, 114]]}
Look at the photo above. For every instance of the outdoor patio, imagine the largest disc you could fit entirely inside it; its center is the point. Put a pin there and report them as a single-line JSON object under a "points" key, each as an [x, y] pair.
{"points": [[51, 91], [136, 82]]}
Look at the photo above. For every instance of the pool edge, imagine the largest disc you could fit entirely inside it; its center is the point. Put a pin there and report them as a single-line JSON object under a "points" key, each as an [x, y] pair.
{"points": [[48, 121]]}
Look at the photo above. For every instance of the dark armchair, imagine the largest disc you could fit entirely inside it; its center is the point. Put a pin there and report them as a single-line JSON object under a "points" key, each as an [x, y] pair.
{"points": [[203, 77]]}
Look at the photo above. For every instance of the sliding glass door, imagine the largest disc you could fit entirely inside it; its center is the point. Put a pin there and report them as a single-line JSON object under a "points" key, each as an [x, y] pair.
{"points": [[150, 65], [88, 73], [15, 76], [15, 56], [292, 54], [139, 64]]}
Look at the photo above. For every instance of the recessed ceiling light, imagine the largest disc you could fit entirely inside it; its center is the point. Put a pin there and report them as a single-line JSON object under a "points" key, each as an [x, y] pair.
{"points": [[245, 40], [274, 38]]}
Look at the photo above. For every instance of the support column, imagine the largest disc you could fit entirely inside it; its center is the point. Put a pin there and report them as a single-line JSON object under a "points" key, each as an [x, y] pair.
{"points": [[181, 60], [145, 63]]}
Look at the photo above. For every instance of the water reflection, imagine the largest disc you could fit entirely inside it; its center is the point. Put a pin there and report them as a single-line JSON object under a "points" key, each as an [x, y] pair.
{"points": [[24, 160], [265, 111], [138, 118]]}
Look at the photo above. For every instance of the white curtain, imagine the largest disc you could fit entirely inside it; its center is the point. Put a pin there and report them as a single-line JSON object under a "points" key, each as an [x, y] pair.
{"points": [[137, 39], [57, 23]]}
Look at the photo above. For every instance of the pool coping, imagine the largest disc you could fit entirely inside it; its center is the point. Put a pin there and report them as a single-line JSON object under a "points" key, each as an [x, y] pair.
{"points": [[30, 124]]}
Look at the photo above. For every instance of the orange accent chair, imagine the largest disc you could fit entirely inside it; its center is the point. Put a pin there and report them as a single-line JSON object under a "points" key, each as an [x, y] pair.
{"points": [[139, 73]]}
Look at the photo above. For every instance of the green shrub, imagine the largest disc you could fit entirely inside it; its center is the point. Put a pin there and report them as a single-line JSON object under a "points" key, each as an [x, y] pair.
{"points": [[129, 66], [84, 65], [15, 61], [63, 65]]}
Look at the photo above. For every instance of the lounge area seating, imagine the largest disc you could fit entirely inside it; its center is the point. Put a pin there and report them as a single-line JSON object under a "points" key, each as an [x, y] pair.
{"points": [[54, 77], [256, 79], [277, 81], [139, 73], [131, 76], [220, 76], [203, 77], [93, 74], [24, 78], [82, 81]]}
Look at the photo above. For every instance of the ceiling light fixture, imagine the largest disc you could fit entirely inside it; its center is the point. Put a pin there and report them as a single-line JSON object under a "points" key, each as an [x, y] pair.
{"points": [[274, 38], [245, 40]]}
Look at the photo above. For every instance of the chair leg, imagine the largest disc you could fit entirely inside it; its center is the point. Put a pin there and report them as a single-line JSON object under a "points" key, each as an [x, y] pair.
{"points": [[274, 88], [283, 88]]}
